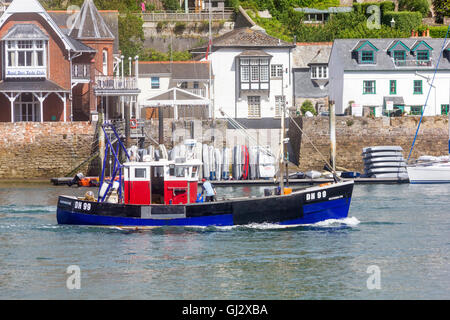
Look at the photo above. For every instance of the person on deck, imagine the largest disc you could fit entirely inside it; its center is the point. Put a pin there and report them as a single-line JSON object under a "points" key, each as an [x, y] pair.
{"points": [[210, 190]]}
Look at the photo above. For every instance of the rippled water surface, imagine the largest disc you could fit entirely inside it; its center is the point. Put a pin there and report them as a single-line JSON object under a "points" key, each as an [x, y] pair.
{"points": [[403, 231]]}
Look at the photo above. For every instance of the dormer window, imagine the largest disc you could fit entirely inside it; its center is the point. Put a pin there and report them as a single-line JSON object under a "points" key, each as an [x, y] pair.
{"points": [[423, 55], [365, 52], [25, 52], [319, 72], [422, 51], [399, 55], [367, 57]]}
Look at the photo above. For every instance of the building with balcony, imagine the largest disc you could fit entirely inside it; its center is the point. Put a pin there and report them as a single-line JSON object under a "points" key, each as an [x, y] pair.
{"points": [[53, 67], [252, 76], [181, 87], [389, 76]]}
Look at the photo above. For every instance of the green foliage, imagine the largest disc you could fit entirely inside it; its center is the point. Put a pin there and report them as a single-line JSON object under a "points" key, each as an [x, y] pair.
{"points": [[404, 20], [171, 5], [121, 5], [441, 9], [150, 54], [421, 6], [384, 6], [131, 34], [308, 106], [438, 32], [179, 27]]}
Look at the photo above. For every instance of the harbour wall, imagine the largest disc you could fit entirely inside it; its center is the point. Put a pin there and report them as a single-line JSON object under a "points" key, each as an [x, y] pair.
{"points": [[30, 150], [53, 149], [355, 133]]}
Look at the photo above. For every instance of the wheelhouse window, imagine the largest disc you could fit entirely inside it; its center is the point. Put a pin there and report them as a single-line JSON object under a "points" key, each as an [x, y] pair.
{"points": [[254, 73], [25, 58]]}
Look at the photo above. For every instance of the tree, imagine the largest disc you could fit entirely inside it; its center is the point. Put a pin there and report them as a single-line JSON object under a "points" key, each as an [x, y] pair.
{"points": [[421, 6], [441, 9], [308, 106]]}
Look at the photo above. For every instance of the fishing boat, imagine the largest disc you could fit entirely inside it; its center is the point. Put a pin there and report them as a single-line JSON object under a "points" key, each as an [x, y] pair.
{"points": [[165, 192]]}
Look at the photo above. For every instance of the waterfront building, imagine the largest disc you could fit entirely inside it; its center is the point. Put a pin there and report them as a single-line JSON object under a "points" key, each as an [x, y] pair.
{"points": [[59, 66], [389, 76], [181, 87], [311, 76], [252, 76]]}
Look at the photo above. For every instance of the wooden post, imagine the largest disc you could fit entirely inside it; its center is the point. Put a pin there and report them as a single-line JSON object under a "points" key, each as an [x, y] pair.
{"points": [[332, 135]]}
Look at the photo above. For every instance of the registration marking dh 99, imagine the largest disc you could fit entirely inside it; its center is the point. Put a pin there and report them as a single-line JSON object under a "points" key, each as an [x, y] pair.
{"points": [[85, 206], [316, 195]]}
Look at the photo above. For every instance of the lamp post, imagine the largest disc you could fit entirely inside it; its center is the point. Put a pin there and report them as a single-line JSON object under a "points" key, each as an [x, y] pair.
{"points": [[393, 23], [129, 66]]}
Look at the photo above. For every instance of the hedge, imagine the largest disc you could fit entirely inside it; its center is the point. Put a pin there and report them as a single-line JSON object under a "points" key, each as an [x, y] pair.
{"points": [[438, 32], [404, 20], [385, 6]]}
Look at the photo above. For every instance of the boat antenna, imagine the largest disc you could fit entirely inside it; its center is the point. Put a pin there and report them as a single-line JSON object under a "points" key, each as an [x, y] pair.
{"points": [[428, 95]]}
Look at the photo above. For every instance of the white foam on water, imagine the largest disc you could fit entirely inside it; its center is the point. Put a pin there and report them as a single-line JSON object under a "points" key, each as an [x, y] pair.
{"points": [[349, 221]]}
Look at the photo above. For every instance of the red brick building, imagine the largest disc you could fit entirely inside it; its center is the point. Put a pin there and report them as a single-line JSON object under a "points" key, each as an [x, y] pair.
{"points": [[59, 66]]}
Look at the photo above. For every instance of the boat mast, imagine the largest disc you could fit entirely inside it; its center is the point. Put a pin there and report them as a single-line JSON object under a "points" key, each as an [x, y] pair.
{"points": [[283, 118]]}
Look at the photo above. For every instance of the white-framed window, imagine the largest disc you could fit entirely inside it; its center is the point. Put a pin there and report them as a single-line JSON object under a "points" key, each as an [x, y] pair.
{"points": [[254, 73], [319, 72], [26, 108], [105, 62], [254, 106], [25, 58], [279, 101], [155, 82], [276, 70]]}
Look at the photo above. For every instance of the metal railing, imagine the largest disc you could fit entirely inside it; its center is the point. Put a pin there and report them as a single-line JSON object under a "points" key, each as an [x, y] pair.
{"points": [[413, 63], [198, 91], [221, 14], [81, 71], [115, 83]]}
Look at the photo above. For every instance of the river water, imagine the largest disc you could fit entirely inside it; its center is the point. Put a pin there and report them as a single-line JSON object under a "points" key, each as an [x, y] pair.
{"points": [[394, 245]]}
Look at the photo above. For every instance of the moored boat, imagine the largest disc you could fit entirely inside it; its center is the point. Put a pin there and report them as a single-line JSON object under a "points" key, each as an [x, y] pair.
{"points": [[165, 192]]}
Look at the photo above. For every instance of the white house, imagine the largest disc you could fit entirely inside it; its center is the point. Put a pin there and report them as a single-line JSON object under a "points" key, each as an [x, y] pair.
{"points": [[386, 76], [181, 86], [252, 77]]}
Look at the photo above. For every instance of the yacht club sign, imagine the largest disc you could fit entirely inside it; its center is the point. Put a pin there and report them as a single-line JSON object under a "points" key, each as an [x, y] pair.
{"points": [[25, 73]]}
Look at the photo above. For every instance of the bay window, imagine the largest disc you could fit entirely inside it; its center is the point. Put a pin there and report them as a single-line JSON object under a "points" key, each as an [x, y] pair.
{"points": [[254, 73], [25, 58]]}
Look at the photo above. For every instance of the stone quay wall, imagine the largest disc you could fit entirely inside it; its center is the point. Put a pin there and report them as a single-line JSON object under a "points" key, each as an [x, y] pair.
{"points": [[355, 133], [30, 150], [53, 149]]}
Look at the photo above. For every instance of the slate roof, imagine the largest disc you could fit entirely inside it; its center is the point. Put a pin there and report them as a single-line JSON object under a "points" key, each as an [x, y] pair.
{"points": [[305, 87], [306, 54], [30, 86], [89, 24], [342, 53], [110, 17], [254, 53], [25, 31], [248, 38], [178, 70]]}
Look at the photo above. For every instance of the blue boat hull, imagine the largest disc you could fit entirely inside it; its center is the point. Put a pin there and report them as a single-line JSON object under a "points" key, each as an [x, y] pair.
{"points": [[306, 207]]}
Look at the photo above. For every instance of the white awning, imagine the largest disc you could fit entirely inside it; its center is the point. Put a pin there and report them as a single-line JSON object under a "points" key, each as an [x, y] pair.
{"points": [[175, 97]]}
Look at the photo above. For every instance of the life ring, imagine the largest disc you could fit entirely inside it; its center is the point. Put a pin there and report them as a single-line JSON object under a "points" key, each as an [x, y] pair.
{"points": [[133, 123]]}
